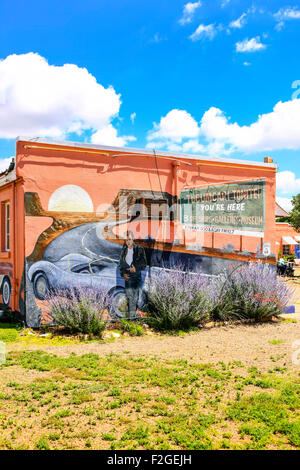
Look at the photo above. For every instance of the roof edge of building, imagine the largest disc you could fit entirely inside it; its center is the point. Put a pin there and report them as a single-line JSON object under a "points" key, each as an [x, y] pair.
{"points": [[286, 213], [81, 145], [6, 178]]}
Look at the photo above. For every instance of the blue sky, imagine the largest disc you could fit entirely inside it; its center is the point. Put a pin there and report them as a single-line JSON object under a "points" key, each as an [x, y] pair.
{"points": [[205, 77]]}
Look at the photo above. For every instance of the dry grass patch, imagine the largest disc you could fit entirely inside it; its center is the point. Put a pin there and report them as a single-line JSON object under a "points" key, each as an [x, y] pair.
{"points": [[122, 401]]}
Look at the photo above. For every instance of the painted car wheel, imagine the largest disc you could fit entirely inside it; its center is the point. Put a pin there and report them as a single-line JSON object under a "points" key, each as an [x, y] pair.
{"points": [[6, 291], [119, 303], [41, 286]]}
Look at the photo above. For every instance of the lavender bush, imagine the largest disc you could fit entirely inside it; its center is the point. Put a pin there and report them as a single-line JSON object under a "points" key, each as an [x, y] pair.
{"points": [[178, 300], [251, 291], [79, 310]]}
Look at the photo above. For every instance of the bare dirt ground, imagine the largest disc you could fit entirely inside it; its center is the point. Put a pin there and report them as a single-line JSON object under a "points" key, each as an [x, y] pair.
{"points": [[265, 345]]}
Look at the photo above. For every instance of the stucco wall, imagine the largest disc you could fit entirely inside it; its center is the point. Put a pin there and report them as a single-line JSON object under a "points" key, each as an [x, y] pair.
{"points": [[69, 195], [285, 230]]}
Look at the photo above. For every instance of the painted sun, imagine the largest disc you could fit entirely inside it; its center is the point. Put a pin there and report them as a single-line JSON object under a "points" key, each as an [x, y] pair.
{"points": [[70, 198]]}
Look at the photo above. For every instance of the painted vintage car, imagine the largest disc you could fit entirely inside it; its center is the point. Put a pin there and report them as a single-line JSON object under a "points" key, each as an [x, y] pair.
{"points": [[80, 272], [82, 258]]}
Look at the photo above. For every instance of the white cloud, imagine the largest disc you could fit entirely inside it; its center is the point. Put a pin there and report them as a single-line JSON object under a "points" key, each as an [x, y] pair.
{"points": [[279, 129], [213, 148], [157, 38], [285, 203], [109, 136], [208, 31], [174, 127], [286, 14], [287, 183], [4, 164], [250, 45], [132, 117], [188, 12], [190, 146], [47, 100], [247, 64], [215, 134], [279, 25], [178, 131], [239, 22]]}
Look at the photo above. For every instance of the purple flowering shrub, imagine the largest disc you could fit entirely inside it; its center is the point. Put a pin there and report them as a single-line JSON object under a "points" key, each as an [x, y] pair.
{"points": [[252, 291], [79, 310], [181, 300], [177, 300]]}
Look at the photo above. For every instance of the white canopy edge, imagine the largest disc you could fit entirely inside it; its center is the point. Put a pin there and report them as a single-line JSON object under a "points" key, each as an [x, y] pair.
{"points": [[289, 241]]}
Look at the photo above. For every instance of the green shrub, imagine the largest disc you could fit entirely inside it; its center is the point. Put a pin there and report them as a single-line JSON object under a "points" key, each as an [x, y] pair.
{"points": [[290, 257], [134, 329], [42, 444]]}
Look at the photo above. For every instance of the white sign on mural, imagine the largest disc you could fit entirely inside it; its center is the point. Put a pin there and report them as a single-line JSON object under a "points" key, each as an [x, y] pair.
{"points": [[267, 249], [233, 208]]}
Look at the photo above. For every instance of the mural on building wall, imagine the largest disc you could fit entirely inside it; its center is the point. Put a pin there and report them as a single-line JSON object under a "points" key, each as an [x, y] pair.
{"points": [[82, 246], [80, 249]]}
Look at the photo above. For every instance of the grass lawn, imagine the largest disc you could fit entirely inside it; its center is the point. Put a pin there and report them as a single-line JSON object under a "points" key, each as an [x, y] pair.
{"points": [[121, 401]]}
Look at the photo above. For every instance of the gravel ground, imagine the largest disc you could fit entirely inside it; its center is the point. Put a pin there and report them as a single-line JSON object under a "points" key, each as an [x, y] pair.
{"points": [[250, 344]]}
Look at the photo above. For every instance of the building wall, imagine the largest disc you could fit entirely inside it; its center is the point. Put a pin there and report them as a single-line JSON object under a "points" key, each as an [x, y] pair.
{"points": [[284, 230], [70, 196], [12, 257]]}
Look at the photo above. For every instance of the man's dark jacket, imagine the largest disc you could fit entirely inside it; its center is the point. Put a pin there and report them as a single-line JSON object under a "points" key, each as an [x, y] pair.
{"points": [[139, 261]]}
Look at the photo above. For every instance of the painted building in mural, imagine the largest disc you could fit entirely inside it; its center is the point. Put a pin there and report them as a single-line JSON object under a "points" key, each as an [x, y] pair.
{"points": [[66, 207]]}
